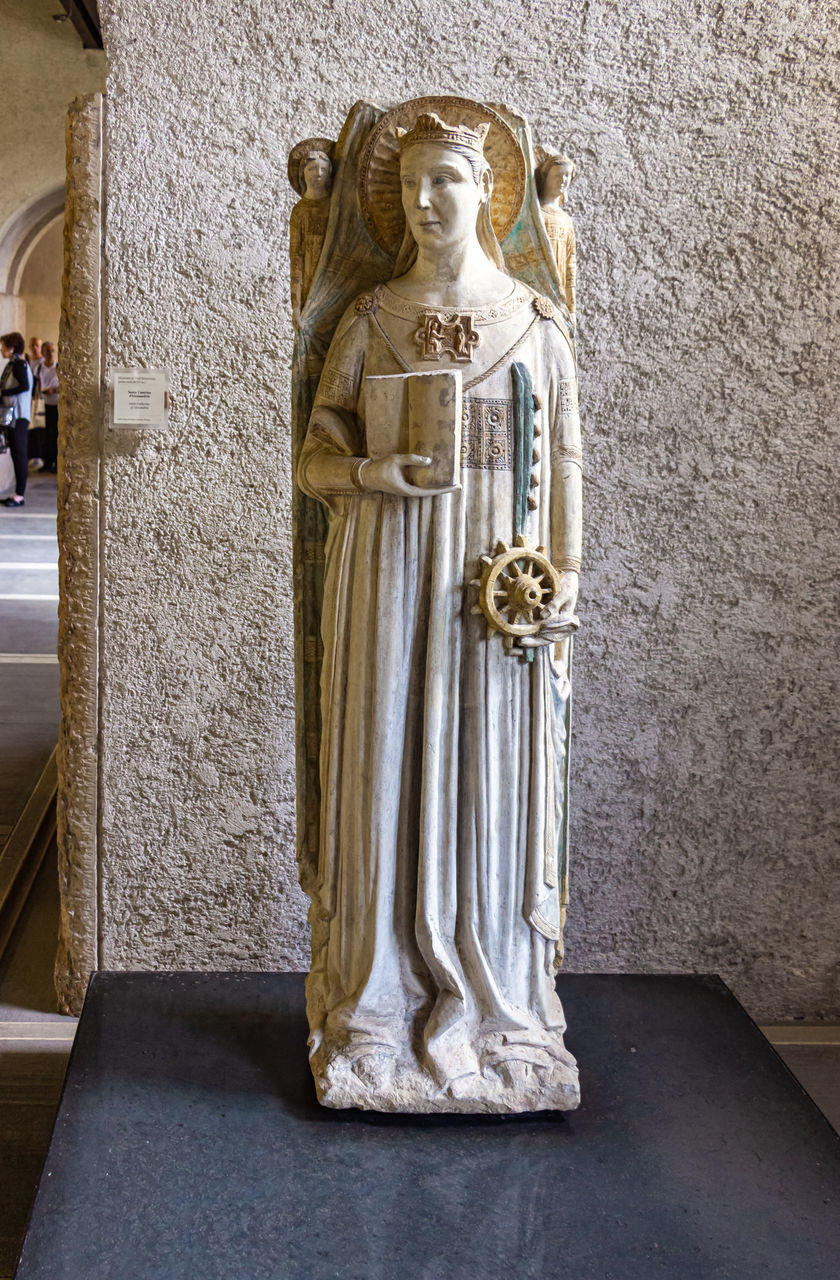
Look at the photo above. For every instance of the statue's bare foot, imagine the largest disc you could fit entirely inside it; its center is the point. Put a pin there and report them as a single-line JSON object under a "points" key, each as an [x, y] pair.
{"points": [[515, 1074], [462, 1086], [520, 1067], [375, 1068]]}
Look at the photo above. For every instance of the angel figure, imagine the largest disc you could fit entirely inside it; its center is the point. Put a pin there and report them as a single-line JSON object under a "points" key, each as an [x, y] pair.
{"points": [[438, 884], [310, 173], [554, 175]]}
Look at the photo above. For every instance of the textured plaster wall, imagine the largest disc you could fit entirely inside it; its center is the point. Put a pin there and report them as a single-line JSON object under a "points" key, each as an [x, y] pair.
{"points": [[704, 822]]}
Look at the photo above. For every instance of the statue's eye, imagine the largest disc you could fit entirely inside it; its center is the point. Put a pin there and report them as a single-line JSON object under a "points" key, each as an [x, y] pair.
{"points": [[439, 179]]}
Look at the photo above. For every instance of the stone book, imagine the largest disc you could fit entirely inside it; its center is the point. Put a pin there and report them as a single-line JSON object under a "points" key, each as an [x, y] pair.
{"points": [[417, 413]]}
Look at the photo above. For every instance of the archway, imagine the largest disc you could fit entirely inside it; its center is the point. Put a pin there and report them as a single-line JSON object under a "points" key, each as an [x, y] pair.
{"points": [[22, 232]]}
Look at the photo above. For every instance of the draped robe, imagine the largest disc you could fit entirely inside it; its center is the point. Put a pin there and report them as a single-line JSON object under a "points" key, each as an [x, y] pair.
{"points": [[440, 893]]}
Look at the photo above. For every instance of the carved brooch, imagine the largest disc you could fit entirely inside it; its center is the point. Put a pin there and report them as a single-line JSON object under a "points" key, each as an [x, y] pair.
{"points": [[445, 333]]}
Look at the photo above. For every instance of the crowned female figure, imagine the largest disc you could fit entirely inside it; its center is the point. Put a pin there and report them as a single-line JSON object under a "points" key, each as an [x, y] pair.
{"points": [[439, 895]]}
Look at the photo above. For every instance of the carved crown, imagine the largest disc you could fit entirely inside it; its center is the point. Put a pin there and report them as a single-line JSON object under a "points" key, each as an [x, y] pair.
{"points": [[429, 127]]}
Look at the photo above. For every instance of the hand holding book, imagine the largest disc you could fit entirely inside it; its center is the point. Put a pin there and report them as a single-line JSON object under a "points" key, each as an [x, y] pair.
{"points": [[390, 474]]}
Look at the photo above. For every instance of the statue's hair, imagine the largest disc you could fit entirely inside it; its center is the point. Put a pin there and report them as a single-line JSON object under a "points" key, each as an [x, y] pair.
{"points": [[407, 255], [541, 171], [15, 342]]}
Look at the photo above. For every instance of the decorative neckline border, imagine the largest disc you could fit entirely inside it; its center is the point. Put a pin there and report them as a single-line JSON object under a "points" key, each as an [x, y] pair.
{"points": [[496, 311]]}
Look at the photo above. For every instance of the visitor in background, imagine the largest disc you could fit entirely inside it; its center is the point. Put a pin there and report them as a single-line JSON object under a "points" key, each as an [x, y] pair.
{"points": [[16, 393], [49, 393], [34, 358], [34, 355]]}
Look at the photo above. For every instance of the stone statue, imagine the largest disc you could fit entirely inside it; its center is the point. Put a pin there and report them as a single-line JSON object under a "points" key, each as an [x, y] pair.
{"points": [[554, 174], [310, 173], [443, 443]]}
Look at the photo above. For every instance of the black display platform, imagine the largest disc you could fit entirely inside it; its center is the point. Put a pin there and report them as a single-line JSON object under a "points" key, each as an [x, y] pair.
{"points": [[189, 1146]]}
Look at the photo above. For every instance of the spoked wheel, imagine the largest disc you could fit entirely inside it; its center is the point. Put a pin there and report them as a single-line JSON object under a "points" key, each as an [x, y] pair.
{"points": [[515, 590]]}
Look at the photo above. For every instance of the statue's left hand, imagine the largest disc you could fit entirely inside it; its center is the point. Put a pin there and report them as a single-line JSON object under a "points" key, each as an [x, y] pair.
{"points": [[566, 599], [561, 622]]}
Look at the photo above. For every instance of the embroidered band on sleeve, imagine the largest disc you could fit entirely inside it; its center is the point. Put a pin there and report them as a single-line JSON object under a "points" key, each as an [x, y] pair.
{"points": [[337, 387], [567, 396]]}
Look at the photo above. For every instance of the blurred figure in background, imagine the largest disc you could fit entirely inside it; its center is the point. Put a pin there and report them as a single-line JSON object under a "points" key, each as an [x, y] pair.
{"points": [[34, 355], [35, 359], [16, 396], [49, 393]]}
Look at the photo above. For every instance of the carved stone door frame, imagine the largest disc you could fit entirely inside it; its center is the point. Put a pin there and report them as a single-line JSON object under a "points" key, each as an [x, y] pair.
{"points": [[80, 509]]}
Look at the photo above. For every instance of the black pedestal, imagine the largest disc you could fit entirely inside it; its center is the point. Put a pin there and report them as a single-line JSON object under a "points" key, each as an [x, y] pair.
{"points": [[189, 1146]]}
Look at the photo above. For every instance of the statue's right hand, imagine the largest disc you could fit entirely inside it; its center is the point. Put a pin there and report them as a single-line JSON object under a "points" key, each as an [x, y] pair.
{"points": [[388, 475]]}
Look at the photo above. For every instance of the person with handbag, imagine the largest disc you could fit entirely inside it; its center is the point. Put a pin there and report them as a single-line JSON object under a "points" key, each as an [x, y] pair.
{"points": [[35, 442], [16, 384], [48, 378]]}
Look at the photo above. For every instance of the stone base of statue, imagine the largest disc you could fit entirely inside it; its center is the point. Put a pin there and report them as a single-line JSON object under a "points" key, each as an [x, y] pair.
{"points": [[189, 1142], [505, 1085]]}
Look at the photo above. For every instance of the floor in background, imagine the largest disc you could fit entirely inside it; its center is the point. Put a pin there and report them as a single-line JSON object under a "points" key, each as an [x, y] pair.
{"points": [[34, 1040], [35, 1044], [29, 706], [817, 1068]]}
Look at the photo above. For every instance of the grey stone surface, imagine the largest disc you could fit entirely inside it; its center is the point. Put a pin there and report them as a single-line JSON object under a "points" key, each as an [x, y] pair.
{"points": [[704, 825]]}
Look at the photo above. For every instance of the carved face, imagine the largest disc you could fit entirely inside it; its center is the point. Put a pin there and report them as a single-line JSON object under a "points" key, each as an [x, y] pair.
{"points": [[440, 195], [317, 175], [557, 181]]}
